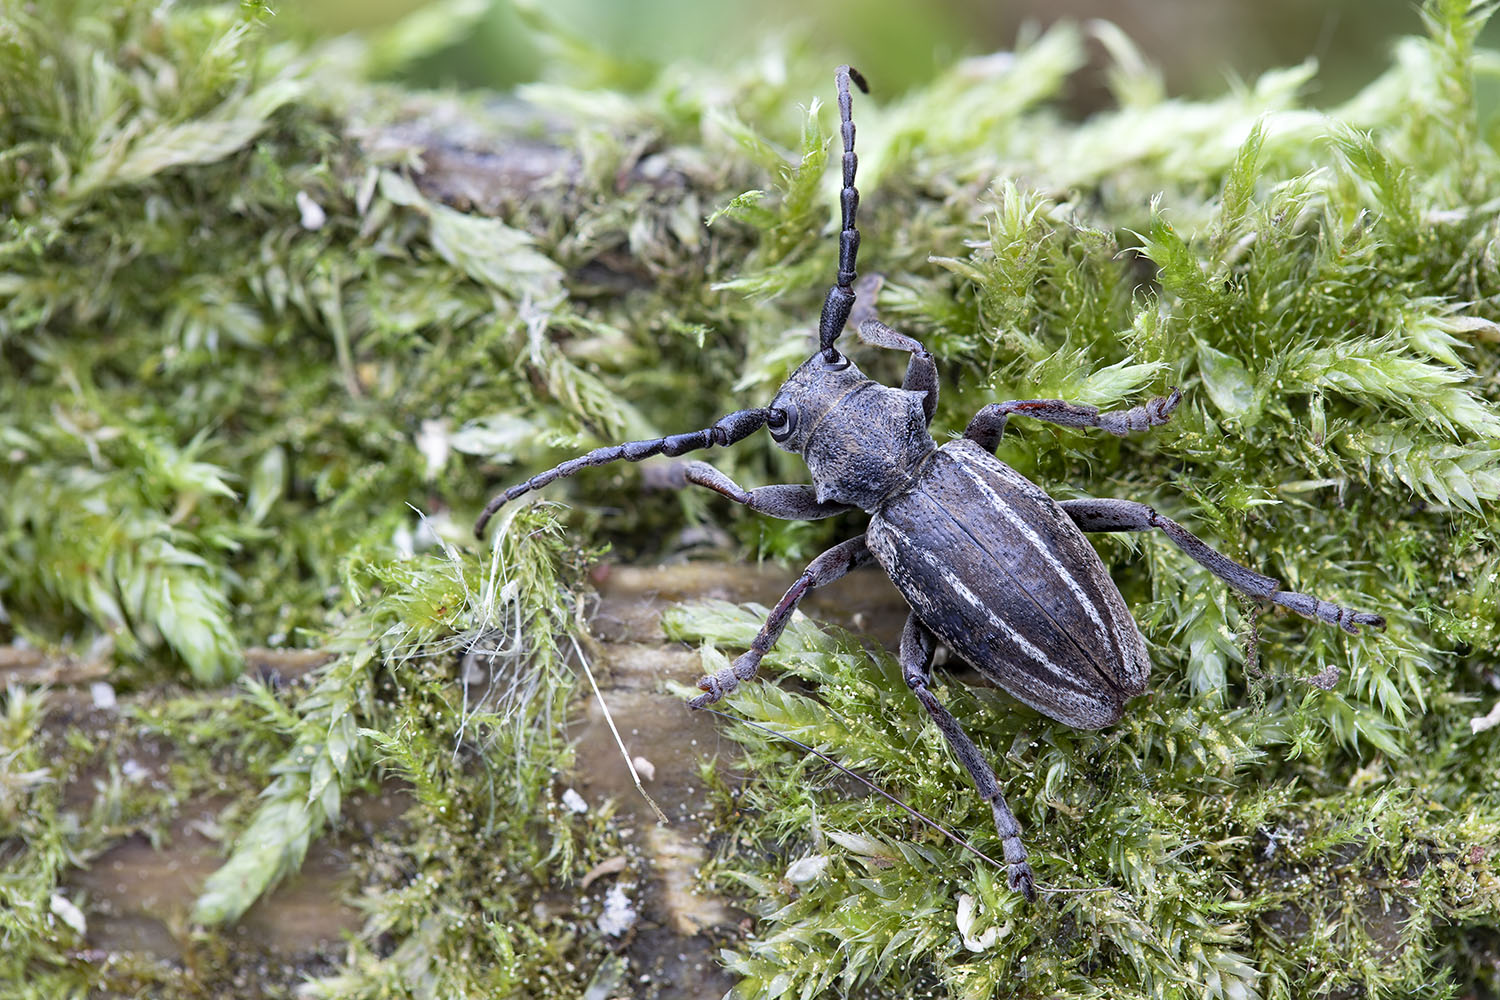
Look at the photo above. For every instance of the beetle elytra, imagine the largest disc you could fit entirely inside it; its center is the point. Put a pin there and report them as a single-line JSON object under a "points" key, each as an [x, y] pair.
{"points": [[989, 563]]}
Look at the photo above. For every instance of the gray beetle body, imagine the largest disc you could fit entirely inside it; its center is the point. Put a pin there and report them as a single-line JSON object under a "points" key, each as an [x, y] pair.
{"points": [[993, 566], [990, 564], [986, 559]]}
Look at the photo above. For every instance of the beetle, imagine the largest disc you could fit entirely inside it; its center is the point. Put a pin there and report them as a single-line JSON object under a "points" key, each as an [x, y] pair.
{"points": [[990, 564]]}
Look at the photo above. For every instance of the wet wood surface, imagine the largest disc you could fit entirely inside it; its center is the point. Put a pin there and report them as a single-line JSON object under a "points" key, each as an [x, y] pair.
{"points": [[136, 896]]}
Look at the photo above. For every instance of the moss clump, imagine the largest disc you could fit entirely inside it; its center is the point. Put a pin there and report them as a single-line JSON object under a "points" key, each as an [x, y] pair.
{"points": [[256, 311]]}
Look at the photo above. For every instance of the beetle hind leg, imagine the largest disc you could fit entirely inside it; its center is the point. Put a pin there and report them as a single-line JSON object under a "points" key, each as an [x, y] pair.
{"points": [[825, 569], [917, 643], [1127, 515]]}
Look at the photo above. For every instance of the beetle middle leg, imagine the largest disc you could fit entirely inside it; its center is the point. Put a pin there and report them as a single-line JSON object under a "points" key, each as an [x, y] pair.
{"points": [[917, 643], [989, 423], [1127, 515], [828, 567]]}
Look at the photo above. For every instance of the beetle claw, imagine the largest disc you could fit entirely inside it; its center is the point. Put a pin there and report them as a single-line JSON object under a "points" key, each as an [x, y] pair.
{"points": [[716, 685]]}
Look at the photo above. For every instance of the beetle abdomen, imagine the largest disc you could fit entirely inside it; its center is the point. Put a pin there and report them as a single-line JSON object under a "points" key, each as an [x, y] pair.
{"points": [[999, 572]]}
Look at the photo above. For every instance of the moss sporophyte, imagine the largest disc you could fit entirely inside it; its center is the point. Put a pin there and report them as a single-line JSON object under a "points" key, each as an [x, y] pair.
{"points": [[260, 306]]}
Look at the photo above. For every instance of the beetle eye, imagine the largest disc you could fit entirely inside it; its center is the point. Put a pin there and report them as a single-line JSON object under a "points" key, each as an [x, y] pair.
{"points": [[782, 424]]}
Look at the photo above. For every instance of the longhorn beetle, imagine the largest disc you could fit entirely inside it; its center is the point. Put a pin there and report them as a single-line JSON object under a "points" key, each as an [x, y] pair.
{"points": [[990, 564]]}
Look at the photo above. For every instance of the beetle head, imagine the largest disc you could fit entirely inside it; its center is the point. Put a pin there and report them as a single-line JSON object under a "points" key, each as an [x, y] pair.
{"points": [[809, 395]]}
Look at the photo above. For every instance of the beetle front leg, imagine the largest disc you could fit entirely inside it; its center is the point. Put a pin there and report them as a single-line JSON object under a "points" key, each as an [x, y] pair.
{"points": [[825, 569], [921, 370], [785, 500], [1127, 515], [917, 642], [989, 423]]}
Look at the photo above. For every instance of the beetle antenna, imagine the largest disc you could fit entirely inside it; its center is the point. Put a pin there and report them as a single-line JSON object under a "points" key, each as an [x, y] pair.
{"points": [[840, 300], [725, 431], [914, 813]]}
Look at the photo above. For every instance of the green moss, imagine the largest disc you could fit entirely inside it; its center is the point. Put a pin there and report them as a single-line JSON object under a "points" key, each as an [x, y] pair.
{"points": [[244, 342]]}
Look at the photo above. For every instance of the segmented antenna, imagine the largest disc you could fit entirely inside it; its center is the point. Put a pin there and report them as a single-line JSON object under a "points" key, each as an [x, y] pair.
{"points": [[840, 300]]}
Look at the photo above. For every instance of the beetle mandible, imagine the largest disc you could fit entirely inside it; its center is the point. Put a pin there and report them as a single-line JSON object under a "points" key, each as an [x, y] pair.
{"points": [[989, 563]]}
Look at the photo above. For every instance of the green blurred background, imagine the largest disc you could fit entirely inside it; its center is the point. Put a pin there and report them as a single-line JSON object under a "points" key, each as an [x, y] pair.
{"points": [[1197, 43]]}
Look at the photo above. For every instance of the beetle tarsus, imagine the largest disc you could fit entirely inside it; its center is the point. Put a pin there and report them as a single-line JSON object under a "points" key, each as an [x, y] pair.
{"points": [[1152, 413], [1020, 879], [989, 423], [1318, 609], [724, 682]]}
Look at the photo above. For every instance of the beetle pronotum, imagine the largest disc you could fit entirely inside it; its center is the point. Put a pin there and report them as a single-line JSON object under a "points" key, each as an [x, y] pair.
{"points": [[989, 563]]}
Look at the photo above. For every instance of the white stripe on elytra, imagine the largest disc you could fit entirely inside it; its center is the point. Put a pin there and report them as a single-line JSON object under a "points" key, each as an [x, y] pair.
{"points": [[1031, 536], [962, 591]]}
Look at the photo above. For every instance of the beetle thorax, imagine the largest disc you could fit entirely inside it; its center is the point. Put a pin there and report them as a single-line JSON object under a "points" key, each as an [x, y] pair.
{"points": [[862, 441]]}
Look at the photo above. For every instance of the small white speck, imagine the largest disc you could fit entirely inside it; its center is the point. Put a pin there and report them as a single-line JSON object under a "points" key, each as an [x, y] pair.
{"points": [[404, 542], [574, 801], [619, 913], [806, 869], [965, 920], [435, 442], [134, 770], [644, 768], [103, 694], [1489, 721], [65, 910], [313, 216]]}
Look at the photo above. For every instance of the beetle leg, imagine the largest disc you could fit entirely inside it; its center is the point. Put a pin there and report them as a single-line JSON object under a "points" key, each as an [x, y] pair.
{"points": [[922, 376], [917, 643], [1127, 515], [989, 423], [725, 431], [921, 370], [828, 567], [786, 501]]}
